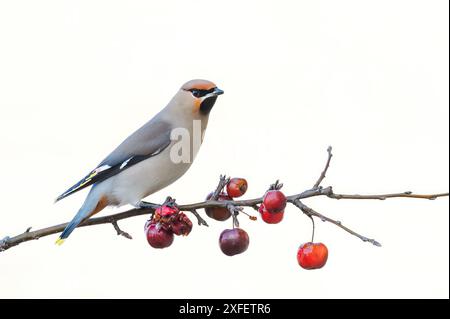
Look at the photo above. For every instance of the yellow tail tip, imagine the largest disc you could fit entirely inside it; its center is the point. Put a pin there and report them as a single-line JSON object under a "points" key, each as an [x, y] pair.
{"points": [[59, 242]]}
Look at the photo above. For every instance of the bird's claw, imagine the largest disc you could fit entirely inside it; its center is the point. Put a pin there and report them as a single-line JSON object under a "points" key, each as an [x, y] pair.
{"points": [[147, 205]]}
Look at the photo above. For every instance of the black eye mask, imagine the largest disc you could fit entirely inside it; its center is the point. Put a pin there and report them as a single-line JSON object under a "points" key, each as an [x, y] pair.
{"points": [[201, 93]]}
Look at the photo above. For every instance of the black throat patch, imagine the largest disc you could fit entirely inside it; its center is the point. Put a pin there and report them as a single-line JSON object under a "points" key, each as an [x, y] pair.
{"points": [[207, 105]]}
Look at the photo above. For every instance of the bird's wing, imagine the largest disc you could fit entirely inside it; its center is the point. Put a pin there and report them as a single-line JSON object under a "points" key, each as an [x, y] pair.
{"points": [[148, 141]]}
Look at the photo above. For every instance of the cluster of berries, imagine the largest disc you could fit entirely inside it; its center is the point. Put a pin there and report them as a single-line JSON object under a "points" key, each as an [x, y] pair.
{"points": [[169, 221]]}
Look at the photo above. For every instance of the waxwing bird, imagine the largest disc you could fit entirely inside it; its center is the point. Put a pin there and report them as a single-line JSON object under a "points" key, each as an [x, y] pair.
{"points": [[149, 159]]}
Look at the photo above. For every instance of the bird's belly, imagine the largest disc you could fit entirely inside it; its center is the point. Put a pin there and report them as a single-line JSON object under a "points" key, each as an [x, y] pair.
{"points": [[145, 178]]}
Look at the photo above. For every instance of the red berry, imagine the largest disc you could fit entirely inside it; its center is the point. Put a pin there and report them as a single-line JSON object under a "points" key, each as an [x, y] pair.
{"points": [[237, 187], [270, 218], [274, 201], [312, 255], [233, 241], [218, 213], [182, 225], [166, 210], [158, 237]]}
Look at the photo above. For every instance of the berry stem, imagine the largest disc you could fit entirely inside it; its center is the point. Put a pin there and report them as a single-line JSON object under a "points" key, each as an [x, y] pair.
{"points": [[249, 216], [313, 228]]}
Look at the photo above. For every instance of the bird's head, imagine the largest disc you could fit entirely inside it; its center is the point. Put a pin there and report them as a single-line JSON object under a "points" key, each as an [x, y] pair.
{"points": [[199, 96]]}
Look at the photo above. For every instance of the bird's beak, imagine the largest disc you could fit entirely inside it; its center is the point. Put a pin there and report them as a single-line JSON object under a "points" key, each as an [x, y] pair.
{"points": [[207, 101], [218, 91]]}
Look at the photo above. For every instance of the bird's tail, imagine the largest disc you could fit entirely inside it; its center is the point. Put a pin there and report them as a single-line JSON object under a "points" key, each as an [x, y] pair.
{"points": [[92, 205]]}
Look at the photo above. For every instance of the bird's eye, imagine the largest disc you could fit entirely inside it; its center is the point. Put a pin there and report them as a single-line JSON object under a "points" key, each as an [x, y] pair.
{"points": [[196, 93]]}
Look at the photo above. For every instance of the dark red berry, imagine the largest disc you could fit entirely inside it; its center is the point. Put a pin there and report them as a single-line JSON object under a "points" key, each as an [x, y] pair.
{"points": [[218, 213], [182, 225], [158, 237], [233, 241]]}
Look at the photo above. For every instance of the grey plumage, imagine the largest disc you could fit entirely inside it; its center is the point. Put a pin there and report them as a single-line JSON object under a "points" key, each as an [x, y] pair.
{"points": [[150, 140], [152, 137]]}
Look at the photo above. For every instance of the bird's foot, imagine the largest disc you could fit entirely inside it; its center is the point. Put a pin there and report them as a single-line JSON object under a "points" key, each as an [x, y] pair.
{"points": [[147, 205]]}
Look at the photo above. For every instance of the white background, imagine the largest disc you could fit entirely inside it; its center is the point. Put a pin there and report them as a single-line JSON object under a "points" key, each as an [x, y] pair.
{"points": [[368, 77]]}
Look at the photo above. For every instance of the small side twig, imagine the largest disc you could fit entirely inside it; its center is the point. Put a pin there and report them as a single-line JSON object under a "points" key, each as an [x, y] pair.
{"points": [[324, 172], [200, 220], [311, 212], [223, 181], [119, 231]]}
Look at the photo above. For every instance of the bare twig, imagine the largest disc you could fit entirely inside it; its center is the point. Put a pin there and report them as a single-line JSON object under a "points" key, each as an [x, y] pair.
{"points": [[251, 217], [311, 212], [234, 206], [324, 172], [386, 196], [9, 242], [200, 220], [119, 231], [223, 181]]}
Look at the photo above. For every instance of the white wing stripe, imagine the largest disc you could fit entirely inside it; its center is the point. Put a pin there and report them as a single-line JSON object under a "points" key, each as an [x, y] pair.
{"points": [[125, 163], [102, 168], [156, 152]]}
